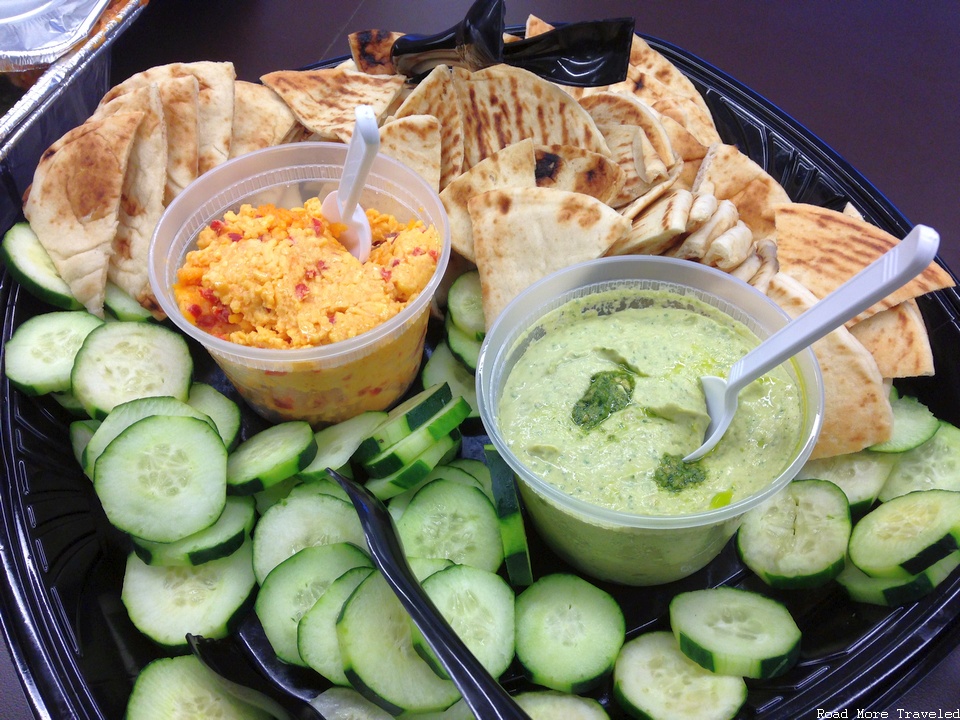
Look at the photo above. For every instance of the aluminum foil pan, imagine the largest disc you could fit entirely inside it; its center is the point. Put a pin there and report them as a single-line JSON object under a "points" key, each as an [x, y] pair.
{"points": [[35, 33]]}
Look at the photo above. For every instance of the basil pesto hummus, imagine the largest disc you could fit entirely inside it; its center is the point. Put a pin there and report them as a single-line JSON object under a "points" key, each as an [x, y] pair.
{"points": [[606, 400]]}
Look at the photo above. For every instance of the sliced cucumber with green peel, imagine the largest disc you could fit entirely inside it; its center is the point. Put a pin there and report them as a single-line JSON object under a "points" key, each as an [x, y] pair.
{"points": [[415, 471], [292, 587], [166, 603], [798, 538], [163, 478], [479, 606], [336, 444], [379, 659], [398, 503], [569, 633], [302, 521], [655, 681], [447, 519], [442, 367], [68, 401], [735, 632], [80, 433], [478, 469], [907, 534], [222, 538], [317, 630], [224, 412], [913, 425], [395, 457], [892, 592], [30, 265], [403, 420], [513, 532], [270, 456], [121, 361], [933, 465], [550, 704], [465, 305], [463, 347], [860, 475], [123, 306], [39, 356], [347, 704]]}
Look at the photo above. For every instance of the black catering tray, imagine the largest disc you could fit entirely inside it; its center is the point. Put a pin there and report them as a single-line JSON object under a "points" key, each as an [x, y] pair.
{"points": [[62, 563]]}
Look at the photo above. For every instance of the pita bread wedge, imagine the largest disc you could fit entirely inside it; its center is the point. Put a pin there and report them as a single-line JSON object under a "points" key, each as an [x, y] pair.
{"points": [[501, 105], [658, 227], [898, 340], [214, 102], [640, 204], [324, 100], [633, 152], [260, 119], [370, 51], [414, 140], [141, 201], [697, 243], [523, 234], [607, 108], [74, 201], [730, 248], [566, 167], [823, 248], [180, 100], [857, 410], [513, 166], [435, 95], [690, 150]]}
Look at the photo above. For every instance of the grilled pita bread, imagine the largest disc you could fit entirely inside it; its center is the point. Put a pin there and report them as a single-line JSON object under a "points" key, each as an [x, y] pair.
{"points": [[658, 227], [141, 202], [181, 108], [823, 248], [513, 166], [608, 108], [898, 340], [74, 201], [325, 101], [856, 410], [639, 162], [214, 103], [566, 167], [371, 51], [414, 140], [260, 119], [523, 234]]}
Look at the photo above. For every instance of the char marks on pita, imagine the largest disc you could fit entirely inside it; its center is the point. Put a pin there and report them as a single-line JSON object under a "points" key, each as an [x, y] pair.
{"points": [[898, 340], [260, 119], [370, 51], [180, 100], [567, 167], [414, 140]]}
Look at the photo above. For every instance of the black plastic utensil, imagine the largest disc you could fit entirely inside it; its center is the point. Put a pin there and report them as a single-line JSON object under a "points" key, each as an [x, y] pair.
{"points": [[486, 698]]}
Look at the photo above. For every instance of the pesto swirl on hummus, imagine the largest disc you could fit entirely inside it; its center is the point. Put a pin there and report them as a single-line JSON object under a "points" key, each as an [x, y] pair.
{"points": [[610, 451]]}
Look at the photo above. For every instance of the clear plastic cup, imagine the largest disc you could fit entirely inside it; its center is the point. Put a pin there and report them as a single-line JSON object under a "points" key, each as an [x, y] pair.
{"points": [[327, 383], [612, 545]]}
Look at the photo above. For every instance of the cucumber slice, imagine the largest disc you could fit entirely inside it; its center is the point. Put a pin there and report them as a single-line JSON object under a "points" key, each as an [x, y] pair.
{"points": [[270, 456], [892, 592], [30, 265], [513, 532], [224, 412], [465, 305], [303, 520], [163, 478], [317, 631], [68, 401], [446, 519], [478, 469], [479, 605], [735, 632], [463, 347], [347, 704], [398, 503], [181, 687], [403, 420], [337, 444], [654, 680], [80, 433], [798, 538], [126, 414], [414, 472], [222, 538], [378, 657], [122, 306], [293, 586], [166, 603], [907, 534], [395, 457], [39, 356], [860, 475], [122, 361], [550, 704], [933, 465], [425, 567], [569, 633], [442, 367], [267, 498], [913, 425]]}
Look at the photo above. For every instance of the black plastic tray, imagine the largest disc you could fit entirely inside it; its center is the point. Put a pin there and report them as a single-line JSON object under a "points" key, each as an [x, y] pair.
{"points": [[79, 654]]}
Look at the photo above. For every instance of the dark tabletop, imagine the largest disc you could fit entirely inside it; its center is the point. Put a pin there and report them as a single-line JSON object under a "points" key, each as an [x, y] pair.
{"points": [[876, 81]]}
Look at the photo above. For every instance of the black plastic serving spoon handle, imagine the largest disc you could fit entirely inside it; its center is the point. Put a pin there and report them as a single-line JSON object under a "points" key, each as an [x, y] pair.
{"points": [[485, 696]]}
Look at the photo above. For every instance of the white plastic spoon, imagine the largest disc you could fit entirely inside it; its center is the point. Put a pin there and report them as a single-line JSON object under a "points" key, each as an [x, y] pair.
{"points": [[342, 204], [895, 268]]}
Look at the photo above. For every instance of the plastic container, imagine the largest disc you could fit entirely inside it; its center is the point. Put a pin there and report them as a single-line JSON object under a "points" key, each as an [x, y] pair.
{"points": [[612, 545], [327, 383]]}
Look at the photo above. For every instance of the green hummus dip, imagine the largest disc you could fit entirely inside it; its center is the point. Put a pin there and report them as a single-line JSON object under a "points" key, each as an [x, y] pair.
{"points": [[608, 392]]}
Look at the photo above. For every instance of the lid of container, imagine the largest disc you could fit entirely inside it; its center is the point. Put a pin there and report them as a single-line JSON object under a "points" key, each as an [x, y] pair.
{"points": [[35, 33]]}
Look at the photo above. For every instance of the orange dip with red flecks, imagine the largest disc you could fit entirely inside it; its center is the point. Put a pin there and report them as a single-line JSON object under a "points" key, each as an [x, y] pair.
{"points": [[273, 277]]}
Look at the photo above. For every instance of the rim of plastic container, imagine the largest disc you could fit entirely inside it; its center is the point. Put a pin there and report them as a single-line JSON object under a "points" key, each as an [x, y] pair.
{"points": [[209, 196], [522, 312]]}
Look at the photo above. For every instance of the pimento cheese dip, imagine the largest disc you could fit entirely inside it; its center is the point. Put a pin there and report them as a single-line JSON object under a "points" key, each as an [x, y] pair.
{"points": [[272, 277]]}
